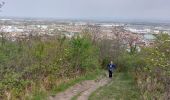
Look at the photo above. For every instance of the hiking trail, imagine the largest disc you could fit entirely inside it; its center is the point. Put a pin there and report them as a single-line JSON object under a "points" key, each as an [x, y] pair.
{"points": [[82, 90]]}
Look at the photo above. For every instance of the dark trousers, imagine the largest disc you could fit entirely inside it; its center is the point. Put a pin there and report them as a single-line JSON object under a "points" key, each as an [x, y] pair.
{"points": [[110, 74]]}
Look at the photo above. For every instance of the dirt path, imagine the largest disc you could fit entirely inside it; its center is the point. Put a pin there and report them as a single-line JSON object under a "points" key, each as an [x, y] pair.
{"points": [[83, 90]]}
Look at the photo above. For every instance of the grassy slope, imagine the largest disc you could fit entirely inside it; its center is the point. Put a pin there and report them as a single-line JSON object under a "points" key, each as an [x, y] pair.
{"points": [[121, 88]]}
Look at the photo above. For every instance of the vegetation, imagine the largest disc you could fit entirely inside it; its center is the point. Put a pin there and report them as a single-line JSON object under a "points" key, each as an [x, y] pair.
{"points": [[149, 72], [153, 78], [40, 64]]}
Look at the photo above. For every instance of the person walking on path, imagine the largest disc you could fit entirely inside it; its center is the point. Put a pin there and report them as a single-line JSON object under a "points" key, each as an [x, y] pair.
{"points": [[111, 67]]}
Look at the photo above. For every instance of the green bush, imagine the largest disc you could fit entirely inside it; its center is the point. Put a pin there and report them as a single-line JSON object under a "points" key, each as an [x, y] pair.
{"points": [[41, 61], [84, 54]]}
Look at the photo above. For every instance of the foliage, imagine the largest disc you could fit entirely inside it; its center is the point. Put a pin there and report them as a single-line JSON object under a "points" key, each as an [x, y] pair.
{"points": [[84, 54], [157, 69], [40, 61], [32, 67], [151, 68]]}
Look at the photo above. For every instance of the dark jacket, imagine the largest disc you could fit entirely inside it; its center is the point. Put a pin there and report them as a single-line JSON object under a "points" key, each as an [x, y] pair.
{"points": [[111, 67]]}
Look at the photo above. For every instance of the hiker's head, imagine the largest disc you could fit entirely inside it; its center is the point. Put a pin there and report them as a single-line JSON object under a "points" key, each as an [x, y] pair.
{"points": [[111, 62]]}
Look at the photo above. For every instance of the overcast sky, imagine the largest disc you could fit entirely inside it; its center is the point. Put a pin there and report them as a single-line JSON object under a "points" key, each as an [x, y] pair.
{"points": [[88, 9]]}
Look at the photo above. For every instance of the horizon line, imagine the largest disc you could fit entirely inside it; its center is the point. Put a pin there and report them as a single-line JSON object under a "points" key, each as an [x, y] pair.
{"points": [[96, 19]]}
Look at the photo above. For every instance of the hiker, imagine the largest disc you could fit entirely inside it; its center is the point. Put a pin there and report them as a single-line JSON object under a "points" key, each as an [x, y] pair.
{"points": [[111, 67]]}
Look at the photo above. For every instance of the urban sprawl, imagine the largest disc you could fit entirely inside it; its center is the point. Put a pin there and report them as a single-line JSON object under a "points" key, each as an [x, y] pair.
{"points": [[140, 34]]}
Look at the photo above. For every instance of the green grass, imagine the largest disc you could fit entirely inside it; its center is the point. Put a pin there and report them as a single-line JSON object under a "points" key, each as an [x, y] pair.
{"points": [[121, 87]]}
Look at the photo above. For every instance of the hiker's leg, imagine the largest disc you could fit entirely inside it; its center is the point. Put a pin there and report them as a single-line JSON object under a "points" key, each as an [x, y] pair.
{"points": [[110, 73]]}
